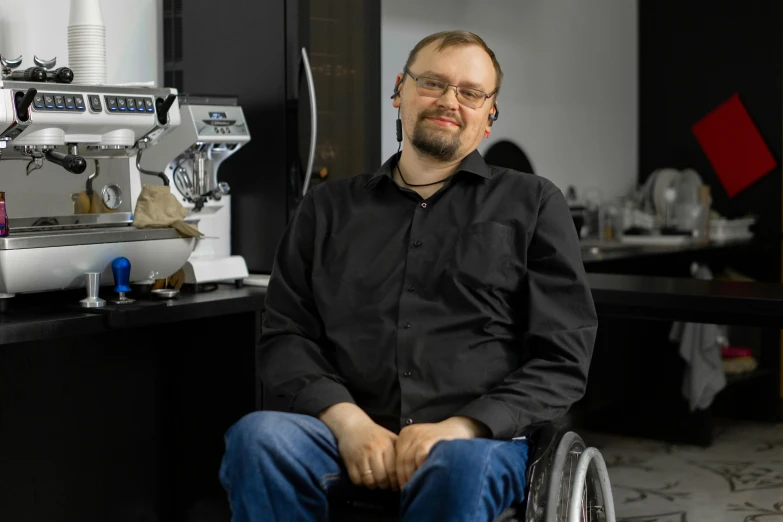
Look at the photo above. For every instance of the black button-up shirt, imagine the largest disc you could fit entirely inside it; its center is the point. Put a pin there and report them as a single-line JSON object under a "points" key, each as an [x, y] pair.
{"points": [[473, 302]]}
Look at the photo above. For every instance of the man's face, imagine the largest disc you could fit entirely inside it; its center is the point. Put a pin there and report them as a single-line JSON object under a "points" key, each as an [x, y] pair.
{"points": [[440, 127]]}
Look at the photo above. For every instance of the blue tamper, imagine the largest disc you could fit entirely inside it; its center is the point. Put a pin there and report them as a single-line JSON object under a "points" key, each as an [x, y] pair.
{"points": [[121, 268]]}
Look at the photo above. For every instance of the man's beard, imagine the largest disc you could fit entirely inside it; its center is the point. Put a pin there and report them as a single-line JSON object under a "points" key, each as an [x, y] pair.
{"points": [[438, 144]]}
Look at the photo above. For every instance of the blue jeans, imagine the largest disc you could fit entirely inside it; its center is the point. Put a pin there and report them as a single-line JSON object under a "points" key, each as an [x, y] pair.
{"points": [[285, 467]]}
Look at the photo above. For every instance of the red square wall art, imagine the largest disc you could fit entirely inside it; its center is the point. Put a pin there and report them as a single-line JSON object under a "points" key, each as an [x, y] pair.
{"points": [[734, 146]]}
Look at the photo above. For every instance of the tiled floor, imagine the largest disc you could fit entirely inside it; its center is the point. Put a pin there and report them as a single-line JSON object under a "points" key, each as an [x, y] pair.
{"points": [[738, 479]]}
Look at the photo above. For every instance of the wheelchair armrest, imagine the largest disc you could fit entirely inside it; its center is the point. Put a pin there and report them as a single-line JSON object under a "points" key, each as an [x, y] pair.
{"points": [[543, 439]]}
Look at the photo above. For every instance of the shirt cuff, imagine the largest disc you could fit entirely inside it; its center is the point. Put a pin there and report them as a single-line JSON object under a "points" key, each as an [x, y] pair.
{"points": [[318, 396], [494, 414]]}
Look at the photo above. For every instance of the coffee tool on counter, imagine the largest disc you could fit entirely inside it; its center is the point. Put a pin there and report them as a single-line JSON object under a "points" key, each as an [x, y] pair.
{"points": [[165, 293], [93, 283], [121, 269]]}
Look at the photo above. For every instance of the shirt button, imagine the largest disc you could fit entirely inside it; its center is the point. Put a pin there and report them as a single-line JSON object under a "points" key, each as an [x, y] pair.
{"points": [[423, 205], [411, 288], [417, 243], [407, 325], [408, 422]]}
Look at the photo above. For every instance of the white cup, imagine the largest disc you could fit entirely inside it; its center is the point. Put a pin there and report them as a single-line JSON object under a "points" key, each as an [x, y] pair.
{"points": [[85, 12], [82, 37], [91, 28], [89, 34], [86, 36], [87, 40]]}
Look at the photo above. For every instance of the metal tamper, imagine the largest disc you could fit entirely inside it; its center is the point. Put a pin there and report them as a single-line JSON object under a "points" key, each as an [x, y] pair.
{"points": [[93, 282]]}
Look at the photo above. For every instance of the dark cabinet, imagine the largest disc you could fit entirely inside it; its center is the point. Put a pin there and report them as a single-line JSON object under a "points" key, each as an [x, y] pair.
{"points": [[345, 60], [290, 63]]}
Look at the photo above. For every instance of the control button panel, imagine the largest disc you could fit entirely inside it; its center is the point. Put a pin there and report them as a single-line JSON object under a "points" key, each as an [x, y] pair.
{"points": [[129, 104], [53, 101]]}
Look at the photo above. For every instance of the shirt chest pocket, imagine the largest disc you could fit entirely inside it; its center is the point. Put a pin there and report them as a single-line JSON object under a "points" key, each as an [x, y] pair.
{"points": [[483, 255]]}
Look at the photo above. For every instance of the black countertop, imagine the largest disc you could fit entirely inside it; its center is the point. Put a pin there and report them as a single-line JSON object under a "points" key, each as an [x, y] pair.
{"points": [[692, 300], [595, 251], [57, 314], [50, 315]]}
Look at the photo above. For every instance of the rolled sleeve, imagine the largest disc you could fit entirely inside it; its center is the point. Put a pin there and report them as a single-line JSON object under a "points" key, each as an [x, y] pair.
{"points": [[494, 414], [319, 395]]}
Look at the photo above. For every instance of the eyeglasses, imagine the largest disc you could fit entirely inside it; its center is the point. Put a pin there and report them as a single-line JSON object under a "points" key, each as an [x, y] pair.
{"points": [[434, 88]]}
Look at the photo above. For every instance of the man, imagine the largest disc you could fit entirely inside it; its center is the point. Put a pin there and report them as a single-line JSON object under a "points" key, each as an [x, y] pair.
{"points": [[418, 319]]}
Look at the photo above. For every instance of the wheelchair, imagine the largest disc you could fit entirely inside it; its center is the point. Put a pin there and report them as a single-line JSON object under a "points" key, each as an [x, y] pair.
{"points": [[566, 482]]}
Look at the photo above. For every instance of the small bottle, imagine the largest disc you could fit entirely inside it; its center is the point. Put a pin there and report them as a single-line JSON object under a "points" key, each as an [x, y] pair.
{"points": [[705, 200], [3, 216]]}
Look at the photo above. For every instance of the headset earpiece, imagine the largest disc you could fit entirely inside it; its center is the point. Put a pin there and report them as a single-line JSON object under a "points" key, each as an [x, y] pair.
{"points": [[493, 116], [396, 90]]}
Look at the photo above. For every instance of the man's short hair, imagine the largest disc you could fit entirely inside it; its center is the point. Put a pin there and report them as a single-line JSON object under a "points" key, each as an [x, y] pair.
{"points": [[456, 39]]}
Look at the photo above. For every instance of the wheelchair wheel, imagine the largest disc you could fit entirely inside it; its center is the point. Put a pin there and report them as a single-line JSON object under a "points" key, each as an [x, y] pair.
{"points": [[561, 476], [561, 479]]}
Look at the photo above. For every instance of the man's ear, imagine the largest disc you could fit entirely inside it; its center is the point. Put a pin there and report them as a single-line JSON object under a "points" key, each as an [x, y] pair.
{"points": [[396, 94]]}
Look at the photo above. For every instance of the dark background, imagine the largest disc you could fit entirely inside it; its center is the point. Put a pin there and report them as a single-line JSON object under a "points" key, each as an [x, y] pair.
{"points": [[692, 57]]}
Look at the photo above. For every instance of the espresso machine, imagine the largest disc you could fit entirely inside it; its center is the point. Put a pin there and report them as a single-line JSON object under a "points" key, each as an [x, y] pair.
{"points": [[211, 129], [61, 144]]}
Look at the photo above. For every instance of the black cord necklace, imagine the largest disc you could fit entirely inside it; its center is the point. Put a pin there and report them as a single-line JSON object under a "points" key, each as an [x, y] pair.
{"points": [[423, 185]]}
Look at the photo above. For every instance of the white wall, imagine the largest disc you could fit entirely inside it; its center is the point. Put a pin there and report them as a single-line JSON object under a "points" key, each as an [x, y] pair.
{"points": [[39, 27], [569, 96]]}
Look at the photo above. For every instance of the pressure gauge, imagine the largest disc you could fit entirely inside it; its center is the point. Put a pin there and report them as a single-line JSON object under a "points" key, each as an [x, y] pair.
{"points": [[111, 195]]}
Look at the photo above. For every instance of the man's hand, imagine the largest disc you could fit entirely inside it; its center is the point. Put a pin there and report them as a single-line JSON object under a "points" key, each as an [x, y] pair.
{"points": [[415, 442], [363, 445]]}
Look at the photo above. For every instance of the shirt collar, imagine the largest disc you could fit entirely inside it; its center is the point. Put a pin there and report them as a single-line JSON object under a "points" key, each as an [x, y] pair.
{"points": [[472, 163]]}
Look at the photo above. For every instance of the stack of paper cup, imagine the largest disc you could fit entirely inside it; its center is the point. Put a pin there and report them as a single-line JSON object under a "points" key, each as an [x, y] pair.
{"points": [[87, 42]]}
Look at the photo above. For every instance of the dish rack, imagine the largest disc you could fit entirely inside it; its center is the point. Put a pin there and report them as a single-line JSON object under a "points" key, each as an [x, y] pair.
{"points": [[722, 229]]}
